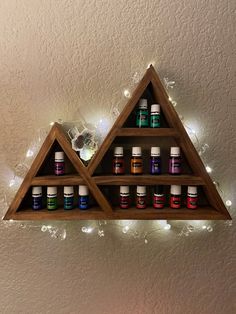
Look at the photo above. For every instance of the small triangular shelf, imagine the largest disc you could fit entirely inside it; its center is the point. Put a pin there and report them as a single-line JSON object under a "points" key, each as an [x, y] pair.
{"points": [[104, 187], [20, 208]]}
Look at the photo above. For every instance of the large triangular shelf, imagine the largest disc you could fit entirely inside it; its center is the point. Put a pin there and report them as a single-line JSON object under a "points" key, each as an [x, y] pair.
{"points": [[103, 185]]}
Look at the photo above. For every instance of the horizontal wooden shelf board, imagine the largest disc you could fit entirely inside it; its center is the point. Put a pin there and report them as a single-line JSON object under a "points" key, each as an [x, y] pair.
{"points": [[59, 214], [164, 179], [165, 132], [71, 179], [203, 213]]}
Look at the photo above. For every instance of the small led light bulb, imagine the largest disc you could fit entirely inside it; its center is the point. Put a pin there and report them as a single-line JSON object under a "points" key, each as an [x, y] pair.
{"points": [[167, 227], [127, 93], [29, 153], [12, 182], [125, 229], [52, 123], [228, 203], [208, 169]]}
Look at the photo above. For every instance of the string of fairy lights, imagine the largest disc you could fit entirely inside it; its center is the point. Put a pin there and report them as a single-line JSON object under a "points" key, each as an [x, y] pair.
{"points": [[91, 141]]}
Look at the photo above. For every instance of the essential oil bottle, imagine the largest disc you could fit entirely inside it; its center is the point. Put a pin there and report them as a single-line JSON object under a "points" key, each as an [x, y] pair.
{"points": [[155, 160], [51, 197], [37, 199], [83, 201], [175, 161], [158, 197], [155, 116], [118, 166], [59, 166], [141, 201], [124, 197], [68, 197], [136, 166], [142, 114], [175, 196], [192, 197]]}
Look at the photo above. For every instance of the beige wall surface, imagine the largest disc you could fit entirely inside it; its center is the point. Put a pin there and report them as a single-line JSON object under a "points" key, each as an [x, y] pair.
{"points": [[63, 59]]}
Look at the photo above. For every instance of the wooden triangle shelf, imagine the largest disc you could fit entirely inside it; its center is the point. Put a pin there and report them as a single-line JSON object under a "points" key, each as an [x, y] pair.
{"points": [[103, 186]]}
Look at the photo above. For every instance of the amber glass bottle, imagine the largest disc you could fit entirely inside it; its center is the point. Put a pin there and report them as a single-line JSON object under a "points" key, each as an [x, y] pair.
{"points": [[136, 165]]}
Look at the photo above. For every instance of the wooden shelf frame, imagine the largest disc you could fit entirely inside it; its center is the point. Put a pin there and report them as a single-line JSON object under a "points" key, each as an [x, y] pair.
{"points": [[86, 175]]}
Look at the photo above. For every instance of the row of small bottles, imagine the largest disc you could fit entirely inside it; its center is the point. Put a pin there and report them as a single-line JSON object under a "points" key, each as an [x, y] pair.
{"points": [[142, 115], [136, 163], [158, 198], [52, 204]]}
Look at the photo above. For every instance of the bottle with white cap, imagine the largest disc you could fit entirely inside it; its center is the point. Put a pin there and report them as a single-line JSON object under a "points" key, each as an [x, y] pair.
{"points": [[155, 160], [37, 199], [59, 166], [142, 114], [68, 197], [124, 197], [158, 197], [51, 197], [175, 196], [175, 161], [155, 117], [136, 166], [192, 197], [83, 201], [118, 161], [141, 202]]}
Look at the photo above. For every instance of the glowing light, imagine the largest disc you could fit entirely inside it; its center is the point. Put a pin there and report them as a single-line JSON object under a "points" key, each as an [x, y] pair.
{"points": [[52, 123], [125, 229], [86, 154], [29, 153], [167, 227], [63, 235], [101, 233], [204, 227], [87, 229], [208, 169], [174, 103], [209, 229], [104, 125], [127, 93], [12, 182], [163, 223], [228, 203], [44, 228]]}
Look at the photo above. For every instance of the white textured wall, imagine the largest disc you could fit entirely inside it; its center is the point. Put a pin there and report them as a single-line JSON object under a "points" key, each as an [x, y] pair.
{"points": [[60, 56]]}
